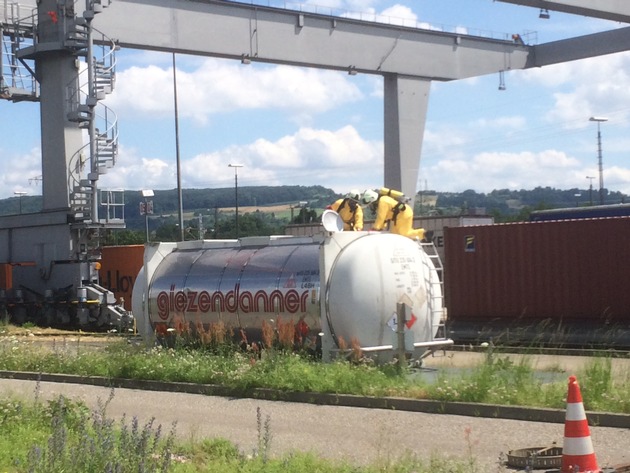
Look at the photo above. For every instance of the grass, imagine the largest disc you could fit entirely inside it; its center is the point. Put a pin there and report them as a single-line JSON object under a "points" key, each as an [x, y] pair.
{"points": [[63, 435], [497, 380]]}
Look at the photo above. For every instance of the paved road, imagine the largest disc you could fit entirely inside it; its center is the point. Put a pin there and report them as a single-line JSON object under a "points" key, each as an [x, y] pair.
{"points": [[358, 435]]}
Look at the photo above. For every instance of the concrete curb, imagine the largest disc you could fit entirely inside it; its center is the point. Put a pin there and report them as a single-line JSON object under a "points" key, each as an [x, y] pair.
{"points": [[600, 419]]}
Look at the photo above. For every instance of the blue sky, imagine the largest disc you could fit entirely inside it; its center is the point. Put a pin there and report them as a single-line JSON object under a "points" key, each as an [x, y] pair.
{"points": [[311, 127]]}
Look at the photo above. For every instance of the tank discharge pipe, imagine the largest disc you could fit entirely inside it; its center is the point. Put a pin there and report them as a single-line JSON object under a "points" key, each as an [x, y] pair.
{"points": [[341, 290]]}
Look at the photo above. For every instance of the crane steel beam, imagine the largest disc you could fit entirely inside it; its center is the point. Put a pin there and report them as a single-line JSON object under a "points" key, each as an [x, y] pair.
{"points": [[273, 35], [614, 10], [582, 47]]}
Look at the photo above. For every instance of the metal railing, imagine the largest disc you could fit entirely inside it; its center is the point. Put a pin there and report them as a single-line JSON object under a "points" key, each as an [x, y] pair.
{"points": [[374, 17], [17, 30]]}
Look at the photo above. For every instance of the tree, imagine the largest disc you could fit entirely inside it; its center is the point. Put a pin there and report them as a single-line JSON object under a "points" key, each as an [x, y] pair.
{"points": [[123, 237], [306, 215], [167, 232]]}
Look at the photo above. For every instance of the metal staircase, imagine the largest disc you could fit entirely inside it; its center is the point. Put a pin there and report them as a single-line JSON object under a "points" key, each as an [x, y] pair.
{"points": [[86, 109]]}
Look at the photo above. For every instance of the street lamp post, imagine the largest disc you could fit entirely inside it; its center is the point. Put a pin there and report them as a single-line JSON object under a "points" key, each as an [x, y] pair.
{"points": [[236, 166], [590, 189], [147, 209], [599, 120], [20, 194]]}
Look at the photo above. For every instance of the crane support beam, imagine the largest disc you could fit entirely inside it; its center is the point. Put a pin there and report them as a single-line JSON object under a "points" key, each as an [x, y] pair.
{"points": [[582, 47], [273, 35]]}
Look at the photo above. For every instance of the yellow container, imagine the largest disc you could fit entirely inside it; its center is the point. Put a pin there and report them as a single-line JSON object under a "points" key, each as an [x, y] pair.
{"points": [[391, 193]]}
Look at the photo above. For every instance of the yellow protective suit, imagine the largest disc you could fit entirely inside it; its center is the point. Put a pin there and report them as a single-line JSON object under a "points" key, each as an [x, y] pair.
{"points": [[350, 212], [398, 215]]}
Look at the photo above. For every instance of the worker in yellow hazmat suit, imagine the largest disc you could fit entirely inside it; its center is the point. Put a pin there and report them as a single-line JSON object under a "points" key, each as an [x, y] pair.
{"points": [[390, 211], [350, 211]]}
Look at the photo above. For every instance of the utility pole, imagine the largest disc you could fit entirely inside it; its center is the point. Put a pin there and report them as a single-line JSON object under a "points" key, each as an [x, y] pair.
{"points": [[600, 163], [236, 166], [590, 189]]}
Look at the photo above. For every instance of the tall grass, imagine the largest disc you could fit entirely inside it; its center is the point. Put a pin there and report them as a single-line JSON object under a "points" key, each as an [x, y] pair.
{"points": [[273, 364], [62, 435]]}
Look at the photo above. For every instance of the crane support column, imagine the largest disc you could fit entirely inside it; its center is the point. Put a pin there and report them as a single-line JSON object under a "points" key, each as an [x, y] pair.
{"points": [[57, 74], [406, 102]]}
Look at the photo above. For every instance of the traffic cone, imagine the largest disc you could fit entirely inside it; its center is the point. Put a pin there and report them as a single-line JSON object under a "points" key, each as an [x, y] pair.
{"points": [[577, 450]]}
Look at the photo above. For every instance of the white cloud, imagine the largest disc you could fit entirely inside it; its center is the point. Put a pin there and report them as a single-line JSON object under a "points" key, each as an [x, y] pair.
{"points": [[595, 86], [400, 15], [396, 14], [133, 171], [524, 170], [338, 159], [221, 86], [444, 140], [616, 178], [22, 175]]}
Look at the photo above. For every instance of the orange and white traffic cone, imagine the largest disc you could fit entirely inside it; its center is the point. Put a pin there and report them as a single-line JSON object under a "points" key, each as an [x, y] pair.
{"points": [[577, 450]]}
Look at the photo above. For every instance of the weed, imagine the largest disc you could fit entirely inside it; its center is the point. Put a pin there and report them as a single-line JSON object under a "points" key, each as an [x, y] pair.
{"points": [[81, 441], [267, 334], [263, 430], [598, 376], [286, 334], [470, 449], [357, 353]]}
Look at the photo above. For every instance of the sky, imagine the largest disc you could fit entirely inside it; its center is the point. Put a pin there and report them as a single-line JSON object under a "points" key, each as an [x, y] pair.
{"points": [[296, 126]]}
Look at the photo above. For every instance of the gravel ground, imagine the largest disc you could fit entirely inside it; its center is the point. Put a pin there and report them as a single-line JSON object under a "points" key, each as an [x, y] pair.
{"points": [[358, 435]]}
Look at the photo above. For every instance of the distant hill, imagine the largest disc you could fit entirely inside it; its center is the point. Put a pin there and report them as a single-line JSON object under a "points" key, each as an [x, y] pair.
{"points": [[503, 204], [166, 201]]}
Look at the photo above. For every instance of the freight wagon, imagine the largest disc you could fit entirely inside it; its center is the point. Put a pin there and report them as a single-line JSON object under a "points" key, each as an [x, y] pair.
{"points": [[598, 211], [557, 282]]}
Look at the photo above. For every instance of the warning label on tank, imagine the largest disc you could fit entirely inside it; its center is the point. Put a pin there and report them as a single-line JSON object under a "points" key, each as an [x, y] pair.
{"points": [[403, 265]]}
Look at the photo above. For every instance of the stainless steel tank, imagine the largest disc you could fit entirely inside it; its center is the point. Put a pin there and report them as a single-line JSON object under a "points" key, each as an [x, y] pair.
{"points": [[240, 285], [344, 286]]}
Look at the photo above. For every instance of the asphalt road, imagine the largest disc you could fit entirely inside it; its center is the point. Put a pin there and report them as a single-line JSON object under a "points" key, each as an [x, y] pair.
{"points": [[358, 435]]}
